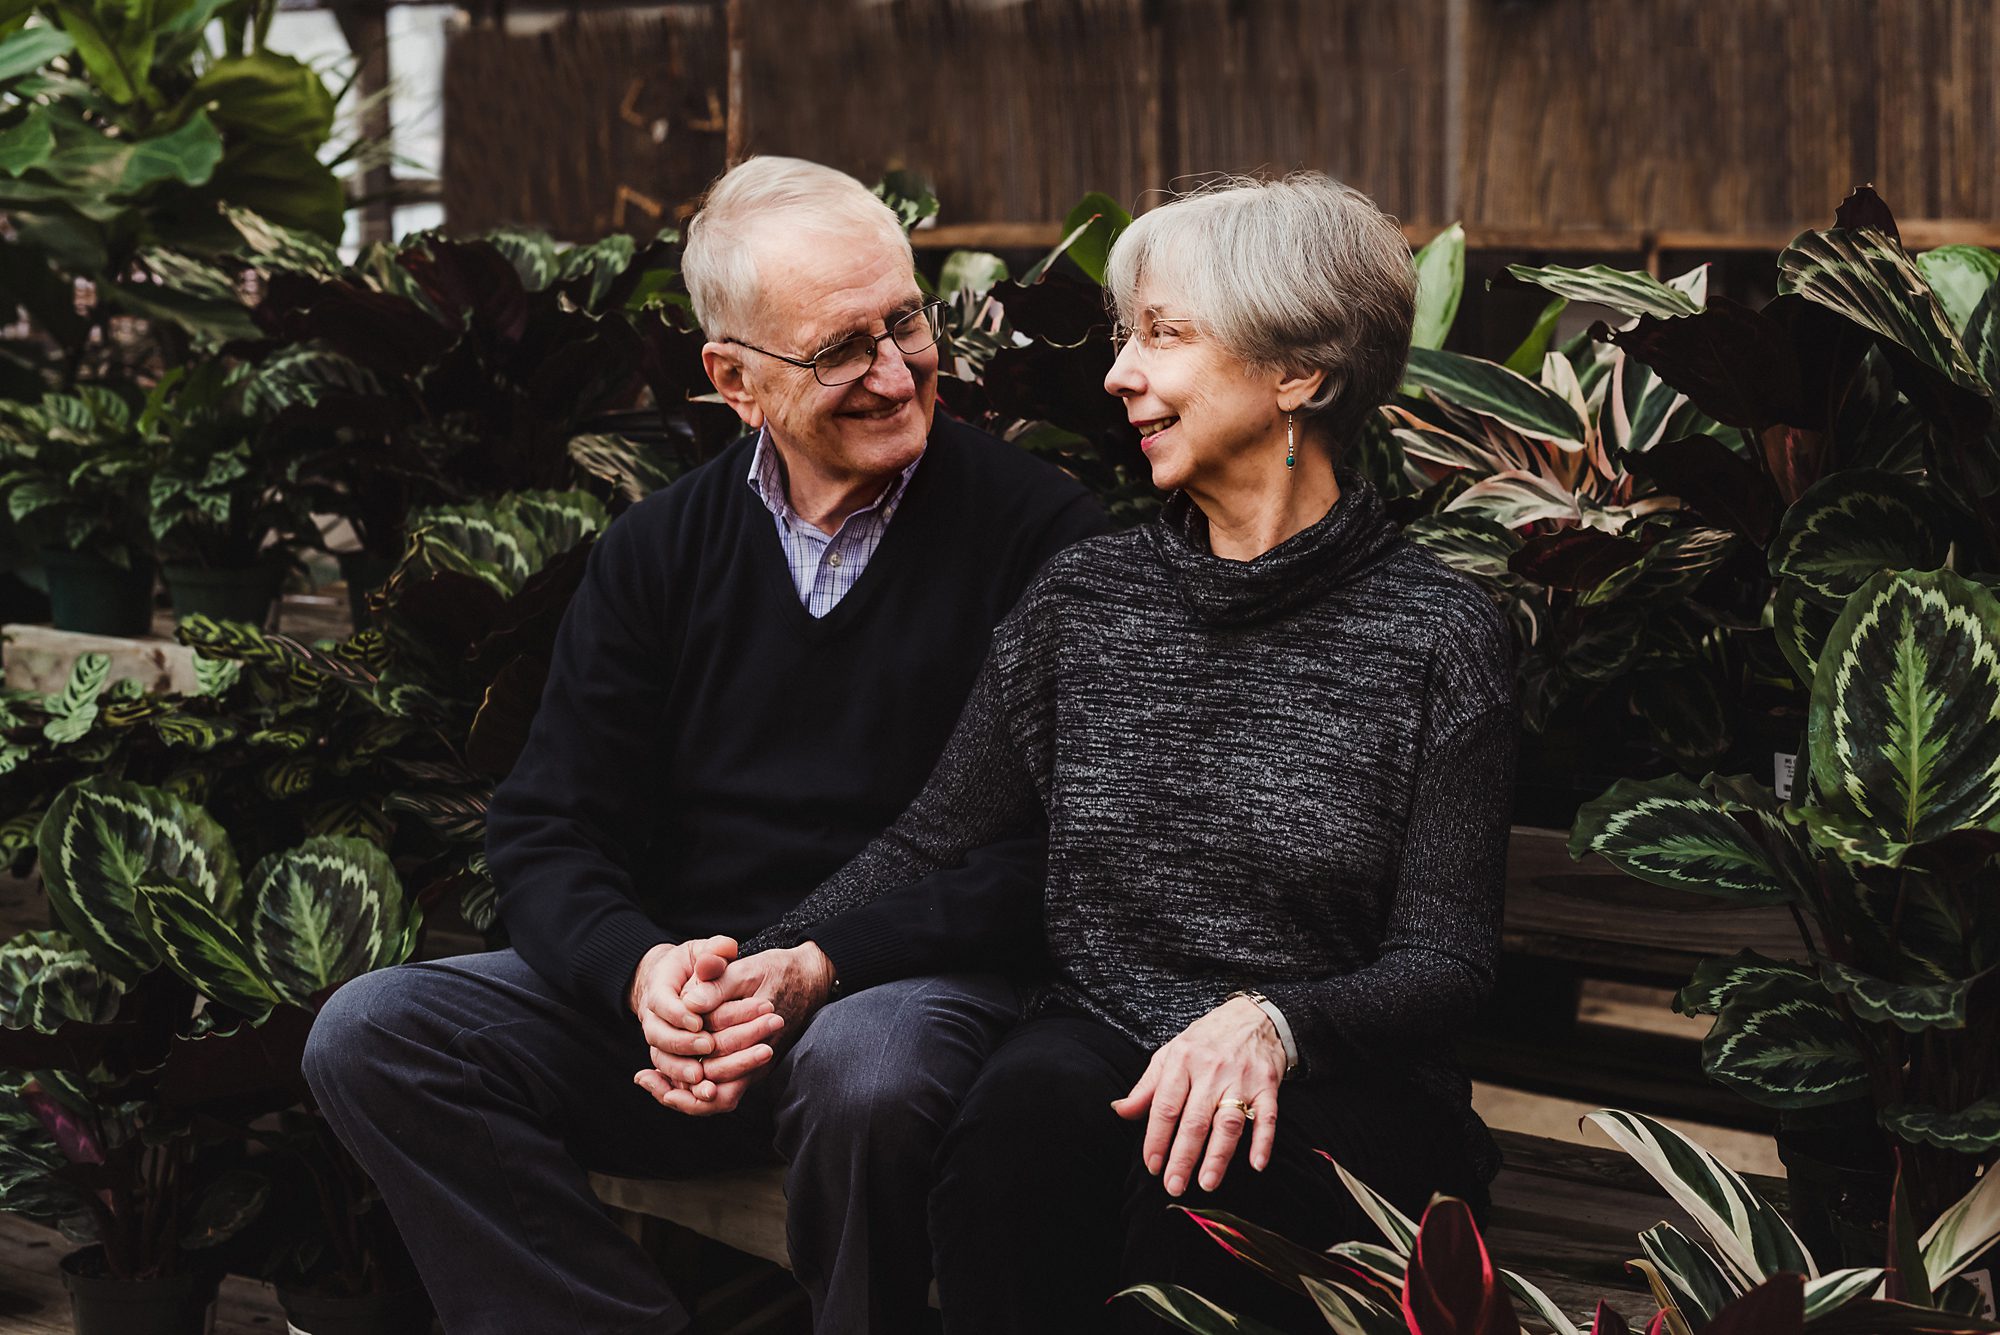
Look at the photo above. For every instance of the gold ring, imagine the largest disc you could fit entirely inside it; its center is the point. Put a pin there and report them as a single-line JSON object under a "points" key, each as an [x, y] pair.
{"points": [[1249, 1113]]}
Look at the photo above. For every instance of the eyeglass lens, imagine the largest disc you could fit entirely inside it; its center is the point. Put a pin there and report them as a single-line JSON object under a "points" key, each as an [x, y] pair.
{"points": [[849, 359]]}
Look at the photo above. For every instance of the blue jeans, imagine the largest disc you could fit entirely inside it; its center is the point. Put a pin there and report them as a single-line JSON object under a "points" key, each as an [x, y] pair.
{"points": [[479, 1099]]}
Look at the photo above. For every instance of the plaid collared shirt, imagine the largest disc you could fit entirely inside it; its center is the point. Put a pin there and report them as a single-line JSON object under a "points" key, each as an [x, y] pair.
{"points": [[823, 567]]}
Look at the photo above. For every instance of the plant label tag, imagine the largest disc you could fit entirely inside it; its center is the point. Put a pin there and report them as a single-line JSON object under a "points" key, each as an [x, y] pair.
{"points": [[1782, 766], [1983, 1281]]}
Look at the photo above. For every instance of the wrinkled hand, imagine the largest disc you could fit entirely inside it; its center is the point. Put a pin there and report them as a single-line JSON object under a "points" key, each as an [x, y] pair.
{"points": [[673, 1032], [744, 1004], [1233, 1052]]}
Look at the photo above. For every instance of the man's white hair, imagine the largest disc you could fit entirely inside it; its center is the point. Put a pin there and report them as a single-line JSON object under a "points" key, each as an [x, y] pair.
{"points": [[784, 196]]}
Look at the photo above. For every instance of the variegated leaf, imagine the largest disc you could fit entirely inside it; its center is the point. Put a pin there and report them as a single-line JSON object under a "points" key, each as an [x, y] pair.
{"points": [[1801, 626], [1491, 390], [1384, 1263], [1961, 276], [11, 757], [46, 980], [1629, 292], [103, 839], [621, 461], [1440, 266], [1281, 1260], [215, 676], [1784, 1046], [1699, 1286], [1716, 980], [1638, 405], [1837, 1288], [1469, 543], [1192, 1312], [352, 817], [1348, 1311], [288, 778], [324, 912], [1543, 1306], [1870, 279], [1911, 1007], [1670, 832], [193, 732], [1973, 1129], [1901, 731], [1850, 526], [1670, 1321], [455, 817], [203, 948], [1751, 1239], [73, 710], [1964, 1231], [17, 833]]}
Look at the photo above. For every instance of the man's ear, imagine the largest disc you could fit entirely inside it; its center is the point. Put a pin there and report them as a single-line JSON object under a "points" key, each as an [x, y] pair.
{"points": [[724, 364]]}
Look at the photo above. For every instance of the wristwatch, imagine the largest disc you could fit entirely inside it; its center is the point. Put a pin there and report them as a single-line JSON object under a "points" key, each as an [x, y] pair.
{"points": [[1277, 1017]]}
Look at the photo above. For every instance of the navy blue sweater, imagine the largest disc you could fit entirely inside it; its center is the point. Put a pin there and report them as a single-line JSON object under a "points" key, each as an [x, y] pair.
{"points": [[706, 752]]}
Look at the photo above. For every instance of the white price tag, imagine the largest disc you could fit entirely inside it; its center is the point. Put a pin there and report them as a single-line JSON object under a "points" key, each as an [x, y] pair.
{"points": [[1782, 766]]}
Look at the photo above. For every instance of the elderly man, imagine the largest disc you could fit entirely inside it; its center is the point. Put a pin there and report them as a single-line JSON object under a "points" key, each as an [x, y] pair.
{"points": [[759, 670]]}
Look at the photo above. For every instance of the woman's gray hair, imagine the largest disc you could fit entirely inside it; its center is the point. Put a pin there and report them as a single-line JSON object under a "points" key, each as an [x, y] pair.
{"points": [[790, 195], [1298, 274]]}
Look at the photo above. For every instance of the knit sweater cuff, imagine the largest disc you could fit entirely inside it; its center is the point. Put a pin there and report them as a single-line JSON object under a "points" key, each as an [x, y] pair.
{"points": [[601, 971], [1319, 1044], [866, 948]]}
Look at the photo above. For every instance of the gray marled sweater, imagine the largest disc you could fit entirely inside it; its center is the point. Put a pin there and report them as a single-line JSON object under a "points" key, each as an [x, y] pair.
{"points": [[1291, 774]]}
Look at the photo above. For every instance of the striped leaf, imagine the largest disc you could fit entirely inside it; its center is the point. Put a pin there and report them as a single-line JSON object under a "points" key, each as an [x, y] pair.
{"points": [[17, 833], [1543, 1306], [1469, 543], [1670, 832], [1384, 1263], [1964, 1231], [1870, 279], [1348, 1311], [624, 463], [1440, 268], [1851, 526], [1192, 1312], [290, 777], [1783, 1045], [193, 732], [1494, 391], [103, 839], [1837, 1288], [1282, 1260], [454, 817], [1801, 626], [1397, 1227], [1904, 748], [1638, 406], [73, 710], [1751, 1239], [350, 817], [202, 948], [1629, 292], [46, 981], [1699, 1287], [1973, 1129], [1670, 1321], [1911, 1007], [1961, 276], [215, 676], [1716, 980], [324, 912], [273, 246]]}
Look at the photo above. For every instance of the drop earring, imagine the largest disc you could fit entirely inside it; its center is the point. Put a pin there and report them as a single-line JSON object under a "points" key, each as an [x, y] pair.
{"points": [[1291, 445]]}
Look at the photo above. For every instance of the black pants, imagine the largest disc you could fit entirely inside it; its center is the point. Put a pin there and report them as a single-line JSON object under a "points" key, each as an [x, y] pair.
{"points": [[1043, 1209]]}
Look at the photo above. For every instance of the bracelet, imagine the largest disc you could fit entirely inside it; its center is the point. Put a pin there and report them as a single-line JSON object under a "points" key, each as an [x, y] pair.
{"points": [[1278, 1022]]}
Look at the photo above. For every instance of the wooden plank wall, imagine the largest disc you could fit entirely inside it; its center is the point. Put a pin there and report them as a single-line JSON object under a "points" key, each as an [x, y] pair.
{"points": [[1536, 121]]}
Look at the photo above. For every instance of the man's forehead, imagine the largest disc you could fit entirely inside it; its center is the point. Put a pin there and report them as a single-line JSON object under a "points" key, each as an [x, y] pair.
{"points": [[830, 285]]}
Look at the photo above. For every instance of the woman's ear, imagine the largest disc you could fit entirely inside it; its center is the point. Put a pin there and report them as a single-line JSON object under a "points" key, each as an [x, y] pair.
{"points": [[724, 365], [1296, 388]]}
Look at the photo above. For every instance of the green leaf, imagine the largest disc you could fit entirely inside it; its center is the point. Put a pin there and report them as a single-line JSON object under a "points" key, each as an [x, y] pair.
{"points": [[1900, 731], [1348, 1311], [1192, 1312], [193, 732], [29, 49], [1628, 292], [188, 154], [1494, 391], [45, 980], [1672, 833], [1837, 1288], [1784, 1046], [623, 462], [1801, 626], [231, 1203], [1526, 359], [1961, 276], [269, 97], [1699, 1286], [1870, 279], [326, 911], [215, 676], [1440, 283], [120, 68], [1849, 527], [1397, 1227], [1469, 543], [1087, 236], [1972, 1130], [103, 839], [971, 271], [1964, 1231], [73, 711], [201, 947], [1911, 1007], [1752, 1239], [26, 144], [1715, 980]]}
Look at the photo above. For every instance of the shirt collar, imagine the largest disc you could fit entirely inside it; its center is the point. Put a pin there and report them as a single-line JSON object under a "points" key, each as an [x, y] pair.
{"points": [[767, 479]]}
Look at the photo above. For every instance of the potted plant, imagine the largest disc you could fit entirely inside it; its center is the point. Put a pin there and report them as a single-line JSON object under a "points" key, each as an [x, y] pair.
{"points": [[76, 475]]}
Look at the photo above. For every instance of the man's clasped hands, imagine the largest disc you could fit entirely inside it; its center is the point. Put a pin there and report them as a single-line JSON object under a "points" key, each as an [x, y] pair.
{"points": [[714, 1021]]}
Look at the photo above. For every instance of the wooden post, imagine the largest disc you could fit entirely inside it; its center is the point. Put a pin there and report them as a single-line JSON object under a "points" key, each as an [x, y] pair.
{"points": [[736, 134], [365, 25], [1455, 137]]}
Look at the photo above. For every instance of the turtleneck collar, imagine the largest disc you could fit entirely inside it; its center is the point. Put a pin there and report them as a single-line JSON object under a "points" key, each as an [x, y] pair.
{"points": [[1355, 533]]}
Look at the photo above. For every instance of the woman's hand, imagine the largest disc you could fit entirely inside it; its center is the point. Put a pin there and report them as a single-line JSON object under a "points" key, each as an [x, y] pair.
{"points": [[1233, 1052]]}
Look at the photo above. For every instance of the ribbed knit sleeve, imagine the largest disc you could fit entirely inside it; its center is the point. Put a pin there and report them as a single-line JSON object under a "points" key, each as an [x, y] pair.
{"points": [[567, 822], [1438, 951]]}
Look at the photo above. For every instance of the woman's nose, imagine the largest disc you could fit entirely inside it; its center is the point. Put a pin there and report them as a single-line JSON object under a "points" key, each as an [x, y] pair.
{"points": [[1124, 379]]}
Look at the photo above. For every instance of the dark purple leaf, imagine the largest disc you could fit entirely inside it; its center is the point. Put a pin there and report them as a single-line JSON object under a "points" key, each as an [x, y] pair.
{"points": [[1059, 309], [1608, 1322], [1907, 1280], [1576, 559], [471, 279], [1715, 482], [1734, 363], [1775, 1307], [63, 1126], [1864, 208], [500, 729], [1452, 1288]]}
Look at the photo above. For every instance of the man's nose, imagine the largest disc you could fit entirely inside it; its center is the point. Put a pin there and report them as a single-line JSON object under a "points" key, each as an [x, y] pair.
{"points": [[890, 376]]}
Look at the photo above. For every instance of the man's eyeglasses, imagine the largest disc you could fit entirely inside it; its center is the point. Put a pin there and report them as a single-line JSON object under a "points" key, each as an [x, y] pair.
{"points": [[847, 361]]}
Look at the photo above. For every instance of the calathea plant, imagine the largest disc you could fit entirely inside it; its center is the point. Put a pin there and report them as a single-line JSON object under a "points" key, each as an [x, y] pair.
{"points": [[1745, 1274], [1885, 857], [76, 473]]}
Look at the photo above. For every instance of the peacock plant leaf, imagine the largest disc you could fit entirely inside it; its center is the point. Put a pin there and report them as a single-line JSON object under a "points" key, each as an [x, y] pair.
{"points": [[1698, 1286], [1489, 389], [1716, 980], [1629, 292], [1963, 1232], [1911, 1007], [103, 839], [73, 710], [1783, 1045], [1869, 278], [1672, 833], [1961, 276], [1750, 1239], [1973, 1129], [1900, 728], [325, 912], [1192, 1312], [1801, 626], [193, 732], [1851, 526], [45, 981], [201, 947]]}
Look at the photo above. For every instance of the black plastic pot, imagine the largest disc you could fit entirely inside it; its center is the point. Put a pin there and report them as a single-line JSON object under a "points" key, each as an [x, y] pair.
{"points": [[1838, 1178], [226, 595], [103, 1305], [90, 594], [364, 572], [402, 1312]]}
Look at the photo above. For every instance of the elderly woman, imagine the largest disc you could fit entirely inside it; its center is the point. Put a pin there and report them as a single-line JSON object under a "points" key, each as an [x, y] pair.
{"points": [[1272, 741]]}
